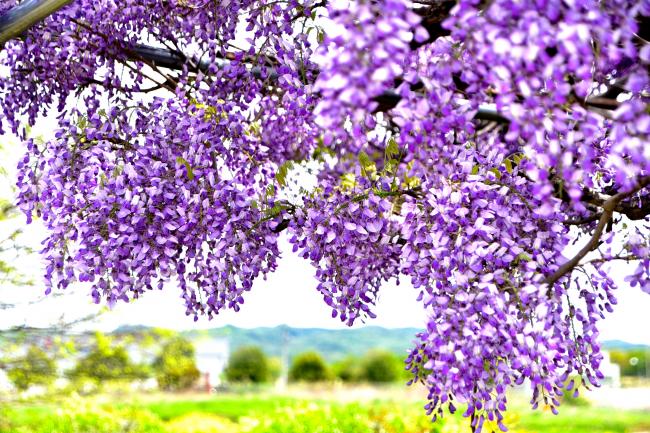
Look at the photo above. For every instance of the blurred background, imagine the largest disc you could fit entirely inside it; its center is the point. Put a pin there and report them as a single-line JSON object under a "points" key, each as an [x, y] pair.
{"points": [[280, 365]]}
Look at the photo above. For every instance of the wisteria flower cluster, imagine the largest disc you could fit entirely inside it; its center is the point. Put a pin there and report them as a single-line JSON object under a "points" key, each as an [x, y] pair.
{"points": [[496, 155], [364, 52], [349, 238]]}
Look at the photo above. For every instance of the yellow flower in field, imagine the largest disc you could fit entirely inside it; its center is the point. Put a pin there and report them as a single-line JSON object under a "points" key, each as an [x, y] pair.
{"points": [[202, 423]]}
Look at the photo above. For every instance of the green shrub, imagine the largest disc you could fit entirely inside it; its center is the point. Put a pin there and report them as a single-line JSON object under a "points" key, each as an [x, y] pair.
{"points": [[175, 366], [248, 364], [568, 398], [380, 366], [105, 362], [348, 369], [308, 367], [35, 367], [632, 362]]}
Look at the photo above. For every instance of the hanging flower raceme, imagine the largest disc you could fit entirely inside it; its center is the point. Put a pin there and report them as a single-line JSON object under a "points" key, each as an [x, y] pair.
{"points": [[137, 213], [498, 160], [351, 240], [479, 255]]}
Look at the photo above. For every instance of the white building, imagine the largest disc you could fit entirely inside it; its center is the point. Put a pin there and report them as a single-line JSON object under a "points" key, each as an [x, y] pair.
{"points": [[611, 371], [211, 358]]}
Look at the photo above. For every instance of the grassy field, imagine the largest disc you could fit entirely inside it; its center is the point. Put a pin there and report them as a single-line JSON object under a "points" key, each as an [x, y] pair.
{"points": [[278, 414]]}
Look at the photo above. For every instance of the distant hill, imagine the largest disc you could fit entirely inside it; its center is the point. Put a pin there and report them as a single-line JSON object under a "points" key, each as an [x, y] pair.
{"points": [[333, 344], [623, 345]]}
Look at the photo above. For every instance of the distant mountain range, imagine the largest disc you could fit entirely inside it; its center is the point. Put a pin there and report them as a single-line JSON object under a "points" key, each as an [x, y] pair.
{"points": [[332, 344], [335, 344], [623, 345]]}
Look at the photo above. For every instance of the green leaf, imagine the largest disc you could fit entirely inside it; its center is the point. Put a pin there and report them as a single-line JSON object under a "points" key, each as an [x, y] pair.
{"points": [[348, 181], [496, 172], [390, 166], [367, 166], [188, 167], [392, 150], [518, 158], [508, 165], [524, 257], [283, 170]]}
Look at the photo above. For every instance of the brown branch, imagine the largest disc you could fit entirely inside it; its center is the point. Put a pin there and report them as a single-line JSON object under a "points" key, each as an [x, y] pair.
{"points": [[630, 210], [627, 258], [581, 221], [433, 15], [609, 207], [602, 102]]}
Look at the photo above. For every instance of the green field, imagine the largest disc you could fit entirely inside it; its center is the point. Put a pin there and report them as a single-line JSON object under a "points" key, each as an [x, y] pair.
{"points": [[277, 414]]}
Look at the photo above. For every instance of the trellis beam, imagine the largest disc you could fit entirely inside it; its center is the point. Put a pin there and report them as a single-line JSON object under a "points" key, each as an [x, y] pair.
{"points": [[25, 15]]}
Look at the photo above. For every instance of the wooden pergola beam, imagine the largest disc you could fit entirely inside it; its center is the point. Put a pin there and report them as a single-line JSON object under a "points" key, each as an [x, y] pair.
{"points": [[25, 15]]}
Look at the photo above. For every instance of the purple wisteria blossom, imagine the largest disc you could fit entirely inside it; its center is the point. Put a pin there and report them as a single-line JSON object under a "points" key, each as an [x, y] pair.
{"points": [[495, 155]]}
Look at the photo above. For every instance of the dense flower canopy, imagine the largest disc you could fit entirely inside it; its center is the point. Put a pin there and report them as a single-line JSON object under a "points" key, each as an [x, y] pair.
{"points": [[494, 154]]}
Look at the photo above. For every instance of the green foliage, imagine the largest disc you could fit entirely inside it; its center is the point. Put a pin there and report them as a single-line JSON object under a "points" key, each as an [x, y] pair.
{"points": [[106, 361], [368, 167], [275, 368], [376, 366], [227, 406], [202, 423], [175, 366], [283, 171], [348, 369], [584, 420], [309, 367], [248, 364], [35, 367], [326, 417], [381, 366], [323, 419], [632, 362], [81, 417], [188, 167], [274, 414], [568, 400]]}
